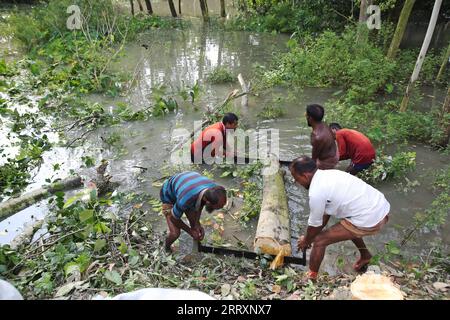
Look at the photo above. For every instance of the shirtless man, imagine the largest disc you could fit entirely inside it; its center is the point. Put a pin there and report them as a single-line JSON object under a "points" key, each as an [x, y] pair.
{"points": [[324, 150]]}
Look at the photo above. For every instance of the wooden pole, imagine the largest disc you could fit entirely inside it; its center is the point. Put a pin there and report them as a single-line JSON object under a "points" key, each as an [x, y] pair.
{"points": [[148, 4], [172, 9], [223, 13], [141, 7], [245, 89], [204, 7], [14, 205], [132, 6], [423, 52], [273, 233]]}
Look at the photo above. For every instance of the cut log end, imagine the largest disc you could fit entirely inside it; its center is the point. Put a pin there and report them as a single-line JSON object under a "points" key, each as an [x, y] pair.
{"points": [[371, 286]]}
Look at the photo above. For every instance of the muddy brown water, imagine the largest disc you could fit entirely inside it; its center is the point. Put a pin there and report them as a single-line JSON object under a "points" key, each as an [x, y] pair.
{"points": [[178, 58]]}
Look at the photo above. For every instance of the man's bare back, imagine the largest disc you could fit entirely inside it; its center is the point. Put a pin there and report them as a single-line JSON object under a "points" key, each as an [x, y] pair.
{"points": [[324, 150]]}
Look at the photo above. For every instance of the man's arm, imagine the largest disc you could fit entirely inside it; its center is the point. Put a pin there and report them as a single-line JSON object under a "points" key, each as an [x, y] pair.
{"points": [[194, 220], [311, 233], [180, 224]]}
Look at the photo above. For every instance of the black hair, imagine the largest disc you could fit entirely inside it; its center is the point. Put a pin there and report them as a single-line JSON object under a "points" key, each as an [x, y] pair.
{"points": [[315, 111], [215, 194], [303, 164], [335, 125], [229, 118]]}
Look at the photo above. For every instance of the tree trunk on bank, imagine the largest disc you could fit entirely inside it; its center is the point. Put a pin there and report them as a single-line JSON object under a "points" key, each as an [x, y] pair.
{"points": [[362, 27], [172, 9], [444, 64], [273, 233], [363, 11], [400, 29], [423, 52], [223, 14], [179, 7], [132, 6], [204, 7], [14, 205], [149, 7]]}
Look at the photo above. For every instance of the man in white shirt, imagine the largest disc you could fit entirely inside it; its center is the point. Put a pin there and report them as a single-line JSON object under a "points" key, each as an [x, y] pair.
{"points": [[363, 211]]}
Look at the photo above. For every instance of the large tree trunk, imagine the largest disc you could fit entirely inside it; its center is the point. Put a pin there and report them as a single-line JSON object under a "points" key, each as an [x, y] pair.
{"points": [[223, 14], [445, 121], [172, 9], [273, 233], [423, 52], [149, 7], [14, 205], [363, 10], [400, 29], [204, 7], [444, 64]]}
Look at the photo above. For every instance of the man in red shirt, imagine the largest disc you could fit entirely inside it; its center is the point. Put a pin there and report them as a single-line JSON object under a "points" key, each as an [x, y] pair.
{"points": [[212, 138], [355, 146]]}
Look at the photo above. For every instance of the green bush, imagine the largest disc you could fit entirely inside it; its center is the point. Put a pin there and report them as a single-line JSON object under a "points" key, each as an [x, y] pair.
{"points": [[271, 112], [386, 167], [286, 17], [220, 75]]}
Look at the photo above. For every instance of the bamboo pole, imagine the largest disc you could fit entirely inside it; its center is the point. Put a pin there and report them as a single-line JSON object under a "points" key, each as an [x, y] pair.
{"points": [[245, 89], [421, 57]]}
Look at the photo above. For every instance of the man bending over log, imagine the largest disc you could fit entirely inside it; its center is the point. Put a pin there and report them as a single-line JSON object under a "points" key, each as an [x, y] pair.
{"points": [[362, 211], [353, 145], [213, 136], [188, 192], [324, 150]]}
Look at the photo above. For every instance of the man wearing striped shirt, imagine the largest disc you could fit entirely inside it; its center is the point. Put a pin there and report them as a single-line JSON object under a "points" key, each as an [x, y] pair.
{"points": [[188, 192]]}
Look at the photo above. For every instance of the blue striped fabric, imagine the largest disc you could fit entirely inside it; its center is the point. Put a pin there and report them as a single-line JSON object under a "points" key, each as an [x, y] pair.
{"points": [[183, 189]]}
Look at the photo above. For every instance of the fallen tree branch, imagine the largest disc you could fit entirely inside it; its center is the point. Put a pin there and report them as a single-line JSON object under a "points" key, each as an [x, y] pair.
{"points": [[14, 205]]}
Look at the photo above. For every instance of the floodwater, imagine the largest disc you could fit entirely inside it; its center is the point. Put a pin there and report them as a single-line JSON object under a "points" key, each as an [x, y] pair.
{"points": [[181, 58]]}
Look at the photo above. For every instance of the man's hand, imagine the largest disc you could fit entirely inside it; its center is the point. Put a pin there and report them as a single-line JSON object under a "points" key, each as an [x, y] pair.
{"points": [[197, 233], [302, 245]]}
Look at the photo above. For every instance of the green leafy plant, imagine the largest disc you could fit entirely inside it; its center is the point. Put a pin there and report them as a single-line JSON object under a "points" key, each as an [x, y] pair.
{"points": [[220, 75]]}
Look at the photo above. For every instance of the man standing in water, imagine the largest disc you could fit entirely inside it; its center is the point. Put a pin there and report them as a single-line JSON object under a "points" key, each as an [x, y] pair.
{"points": [[188, 192], [363, 211], [324, 150], [353, 145], [214, 135]]}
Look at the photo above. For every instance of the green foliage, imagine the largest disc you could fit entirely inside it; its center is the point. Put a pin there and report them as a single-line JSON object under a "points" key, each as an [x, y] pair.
{"points": [[436, 215], [286, 17], [361, 68], [220, 75], [252, 193], [383, 124], [6, 69], [386, 167], [271, 112]]}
